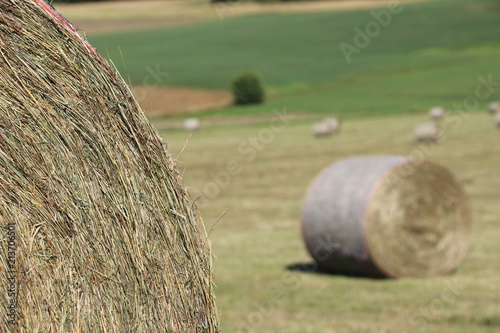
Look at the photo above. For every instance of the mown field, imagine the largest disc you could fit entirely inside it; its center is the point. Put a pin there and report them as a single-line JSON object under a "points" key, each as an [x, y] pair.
{"points": [[432, 53], [258, 236]]}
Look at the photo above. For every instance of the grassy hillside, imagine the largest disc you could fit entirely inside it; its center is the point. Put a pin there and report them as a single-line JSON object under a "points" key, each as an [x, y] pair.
{"points": [[419, 57]]}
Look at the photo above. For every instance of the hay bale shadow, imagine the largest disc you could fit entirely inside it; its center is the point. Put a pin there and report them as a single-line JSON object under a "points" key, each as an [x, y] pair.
{"points": [[313, 268]]}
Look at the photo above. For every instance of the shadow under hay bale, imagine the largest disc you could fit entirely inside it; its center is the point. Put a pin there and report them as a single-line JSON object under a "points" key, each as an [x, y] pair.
{"points": [[386, 216], [106, 235]]}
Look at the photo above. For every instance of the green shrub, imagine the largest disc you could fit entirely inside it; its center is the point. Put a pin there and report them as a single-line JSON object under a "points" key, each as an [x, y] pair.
{"points": [[248, 89]]}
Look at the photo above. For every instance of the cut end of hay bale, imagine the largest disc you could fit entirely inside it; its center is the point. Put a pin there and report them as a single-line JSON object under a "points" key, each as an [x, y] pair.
{"points": [[418, 221], [386, 216]]}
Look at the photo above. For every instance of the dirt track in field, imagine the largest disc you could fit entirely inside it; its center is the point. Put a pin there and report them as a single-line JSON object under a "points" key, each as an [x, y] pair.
{"points": [[161, 101]]}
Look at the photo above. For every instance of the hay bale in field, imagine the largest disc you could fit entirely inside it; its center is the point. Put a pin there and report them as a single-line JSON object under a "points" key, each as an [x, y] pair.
{"points": [[321, 129], [326, 127], [192, 124], [497, 120], [333, 123], [427, 133], [105, 234], [437, 113], [494, 107], [386, 216]]}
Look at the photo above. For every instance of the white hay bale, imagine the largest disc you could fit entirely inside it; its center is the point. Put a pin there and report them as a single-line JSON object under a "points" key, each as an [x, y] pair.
{"points": [[321, 129], [388, 216], [494, 107], [192, 124], [437, 112], [426, 132], [326, 127], [333, 124]]}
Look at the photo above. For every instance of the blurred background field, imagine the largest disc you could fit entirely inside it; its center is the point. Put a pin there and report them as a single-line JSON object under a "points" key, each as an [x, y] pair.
{"points": [[432, 53], [408, 66]]}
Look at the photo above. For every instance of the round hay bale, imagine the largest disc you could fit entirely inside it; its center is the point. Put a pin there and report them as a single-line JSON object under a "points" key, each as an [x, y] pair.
{"points": [[437, 113], [333, 124], [326, 127], [104, 235], [192, 124], [321, 129], [427, 133], [386, 216], [497, 119], [494, 107]]}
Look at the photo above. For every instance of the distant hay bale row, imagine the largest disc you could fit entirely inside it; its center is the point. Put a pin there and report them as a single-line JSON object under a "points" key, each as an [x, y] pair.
{"points": [[427, 133], [326, 127], [386, 216], [107, 238]]}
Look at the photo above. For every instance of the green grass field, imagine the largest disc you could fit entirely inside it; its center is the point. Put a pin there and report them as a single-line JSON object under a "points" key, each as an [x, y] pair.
{"points": [[430, 53]]}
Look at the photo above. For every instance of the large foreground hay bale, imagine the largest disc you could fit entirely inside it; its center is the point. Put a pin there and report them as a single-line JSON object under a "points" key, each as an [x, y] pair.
{"points": [[106, 235], [386, 216]]}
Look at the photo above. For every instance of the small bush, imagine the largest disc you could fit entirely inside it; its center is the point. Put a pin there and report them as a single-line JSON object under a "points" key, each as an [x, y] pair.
{"points": [[248, 89]]}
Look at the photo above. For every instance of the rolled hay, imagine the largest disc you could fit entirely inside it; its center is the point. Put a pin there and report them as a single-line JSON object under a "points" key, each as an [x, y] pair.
{"points": [[326, 127], [192, 124], [103, 236], [437, 113], [386, 216], [494, 107], [427, 133], [497, 120], [333, 124]]}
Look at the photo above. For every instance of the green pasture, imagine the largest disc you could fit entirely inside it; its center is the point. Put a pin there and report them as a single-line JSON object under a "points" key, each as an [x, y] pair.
{"points": [[430, 53]]}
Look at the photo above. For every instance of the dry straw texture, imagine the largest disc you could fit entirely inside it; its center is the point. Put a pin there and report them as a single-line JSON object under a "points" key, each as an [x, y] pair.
{"points": [[387, 216], [106, 234]]}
